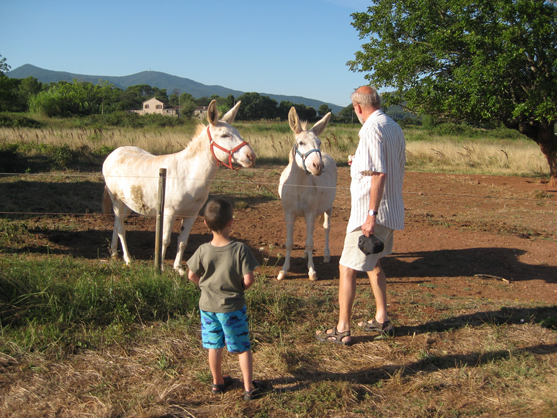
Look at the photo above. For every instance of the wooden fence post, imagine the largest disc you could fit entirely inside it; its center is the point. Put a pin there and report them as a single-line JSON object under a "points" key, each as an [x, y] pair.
{"points": [[160, 219]]}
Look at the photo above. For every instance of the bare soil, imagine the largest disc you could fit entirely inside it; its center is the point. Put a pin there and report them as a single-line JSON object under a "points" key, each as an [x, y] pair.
{"points": [[465, 235]]}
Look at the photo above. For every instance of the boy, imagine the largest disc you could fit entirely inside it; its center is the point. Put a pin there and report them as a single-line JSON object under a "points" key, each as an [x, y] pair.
{"points": [[223, 269]]}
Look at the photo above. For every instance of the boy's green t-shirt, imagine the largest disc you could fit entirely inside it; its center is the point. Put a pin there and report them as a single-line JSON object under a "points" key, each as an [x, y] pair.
{"points": [[221, 271]]}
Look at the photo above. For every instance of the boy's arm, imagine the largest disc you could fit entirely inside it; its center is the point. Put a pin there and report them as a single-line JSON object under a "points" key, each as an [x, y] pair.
{"points": [[249, 280], [193, 277]]}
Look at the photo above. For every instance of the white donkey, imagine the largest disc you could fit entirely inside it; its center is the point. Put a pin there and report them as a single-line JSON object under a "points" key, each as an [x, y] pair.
{"points": [[307, 188], [132, 175]]}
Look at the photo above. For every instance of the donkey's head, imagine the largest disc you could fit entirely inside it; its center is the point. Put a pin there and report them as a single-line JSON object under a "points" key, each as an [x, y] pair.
{"points": [[227, 145], [307, 150]]}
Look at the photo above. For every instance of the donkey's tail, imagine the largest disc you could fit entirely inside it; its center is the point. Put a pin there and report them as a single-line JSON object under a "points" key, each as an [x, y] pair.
{"points": [[107, 202]]}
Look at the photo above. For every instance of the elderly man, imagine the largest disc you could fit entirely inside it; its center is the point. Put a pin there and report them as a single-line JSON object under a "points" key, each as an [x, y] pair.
{"points": [[377, 172]]}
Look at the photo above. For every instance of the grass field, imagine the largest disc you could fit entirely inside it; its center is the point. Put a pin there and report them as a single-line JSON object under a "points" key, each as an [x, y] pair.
{"points": [[85, 336]]}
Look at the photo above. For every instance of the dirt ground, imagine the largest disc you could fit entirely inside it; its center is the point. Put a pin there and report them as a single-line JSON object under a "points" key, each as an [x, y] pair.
{"points": [[481, 236]]}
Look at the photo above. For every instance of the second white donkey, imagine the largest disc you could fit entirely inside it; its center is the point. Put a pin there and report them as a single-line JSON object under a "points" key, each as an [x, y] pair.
{"points": [[307, 188]]}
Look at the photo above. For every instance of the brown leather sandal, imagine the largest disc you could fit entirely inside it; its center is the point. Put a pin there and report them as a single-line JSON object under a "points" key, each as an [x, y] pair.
{"points": [[334, 337]]}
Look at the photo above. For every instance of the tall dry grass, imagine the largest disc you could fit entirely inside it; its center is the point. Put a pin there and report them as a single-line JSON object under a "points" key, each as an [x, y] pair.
{"points": [[517, 158], [273, 142]]}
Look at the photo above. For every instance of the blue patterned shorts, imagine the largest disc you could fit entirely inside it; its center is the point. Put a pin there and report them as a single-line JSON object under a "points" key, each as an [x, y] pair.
{"points": [[231, 328]]}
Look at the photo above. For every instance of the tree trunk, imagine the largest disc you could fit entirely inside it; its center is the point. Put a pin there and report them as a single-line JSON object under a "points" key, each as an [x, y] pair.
{"points": [[547, 141]]}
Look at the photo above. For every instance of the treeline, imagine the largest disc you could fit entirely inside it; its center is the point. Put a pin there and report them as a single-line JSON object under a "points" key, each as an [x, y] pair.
{"points": [[77, 98]]}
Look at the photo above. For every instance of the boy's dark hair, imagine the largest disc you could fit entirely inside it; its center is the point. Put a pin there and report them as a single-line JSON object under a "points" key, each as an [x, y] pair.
{"points": [[218, 212]]}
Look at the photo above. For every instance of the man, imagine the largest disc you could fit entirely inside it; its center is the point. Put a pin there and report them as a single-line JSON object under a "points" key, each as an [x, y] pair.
{"points": [[377, 172]]}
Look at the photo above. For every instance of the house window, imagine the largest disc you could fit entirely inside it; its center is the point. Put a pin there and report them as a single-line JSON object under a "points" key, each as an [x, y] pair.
{"points": [[146, 106], [159, 106]]}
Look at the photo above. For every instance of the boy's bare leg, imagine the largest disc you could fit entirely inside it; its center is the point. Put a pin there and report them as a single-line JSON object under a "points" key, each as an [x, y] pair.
{"points": [[215, 364], [246, 365]]}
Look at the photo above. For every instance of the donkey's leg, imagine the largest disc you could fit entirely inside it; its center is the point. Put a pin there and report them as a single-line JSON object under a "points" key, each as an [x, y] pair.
{"points": [[290, 219], [187, 223], [310, 227], [121, 212], [327, 228]]}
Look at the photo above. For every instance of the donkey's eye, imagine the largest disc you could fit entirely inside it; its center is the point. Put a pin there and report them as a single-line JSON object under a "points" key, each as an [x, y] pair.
{"points": [[302, 143]]}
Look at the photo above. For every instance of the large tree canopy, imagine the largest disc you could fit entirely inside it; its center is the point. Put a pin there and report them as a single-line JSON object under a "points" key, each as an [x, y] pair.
{"points": [[466, 60]]}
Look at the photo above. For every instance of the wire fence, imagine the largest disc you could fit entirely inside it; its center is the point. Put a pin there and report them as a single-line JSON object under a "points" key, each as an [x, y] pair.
{"points": [[265, 184]]}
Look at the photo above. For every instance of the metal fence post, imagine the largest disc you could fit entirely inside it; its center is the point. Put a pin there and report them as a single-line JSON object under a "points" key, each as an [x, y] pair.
{"points": [[160, 218]]}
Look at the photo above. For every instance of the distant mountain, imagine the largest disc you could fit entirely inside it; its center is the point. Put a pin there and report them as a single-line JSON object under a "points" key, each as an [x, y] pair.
{"points": [[154, 79]]}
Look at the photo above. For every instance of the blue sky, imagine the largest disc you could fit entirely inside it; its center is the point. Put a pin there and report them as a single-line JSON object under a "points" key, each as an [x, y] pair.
{"points": [[289, 47]]}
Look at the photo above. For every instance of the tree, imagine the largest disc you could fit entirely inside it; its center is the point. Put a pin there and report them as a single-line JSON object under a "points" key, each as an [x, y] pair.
{"points": [[283, 109], [323, 110], [8, 87], [256, 107], [346, 115], [28, 87], [462, 60], [9, 99], [3, 66], [73, 99], [306, 113]]}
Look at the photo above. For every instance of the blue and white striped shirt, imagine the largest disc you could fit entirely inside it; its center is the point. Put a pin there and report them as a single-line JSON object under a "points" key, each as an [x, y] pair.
{"points": [[381, 149]]}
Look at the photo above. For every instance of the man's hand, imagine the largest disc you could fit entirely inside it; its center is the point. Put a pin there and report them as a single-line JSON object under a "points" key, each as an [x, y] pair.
{"points": [[368, 228]]}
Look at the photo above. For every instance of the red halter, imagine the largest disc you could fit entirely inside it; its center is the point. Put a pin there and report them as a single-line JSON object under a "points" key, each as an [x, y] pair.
{"points": [[232, 151]]}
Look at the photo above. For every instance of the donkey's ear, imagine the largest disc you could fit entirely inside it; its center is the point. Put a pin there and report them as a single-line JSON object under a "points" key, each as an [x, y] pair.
{"points": [[294, 120], [231, 114], [320, 126], [213, 113], [292, 154]]}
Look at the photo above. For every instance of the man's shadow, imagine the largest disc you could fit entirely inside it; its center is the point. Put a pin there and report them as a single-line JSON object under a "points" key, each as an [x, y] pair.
{"points": [[500, 262]]}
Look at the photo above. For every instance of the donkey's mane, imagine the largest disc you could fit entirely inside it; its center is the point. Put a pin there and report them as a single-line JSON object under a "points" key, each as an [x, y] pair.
{"points": [[197, 144]]}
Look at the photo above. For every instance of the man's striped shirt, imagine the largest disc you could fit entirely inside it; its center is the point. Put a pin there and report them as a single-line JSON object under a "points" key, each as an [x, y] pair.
{"points": [[381, 149]]}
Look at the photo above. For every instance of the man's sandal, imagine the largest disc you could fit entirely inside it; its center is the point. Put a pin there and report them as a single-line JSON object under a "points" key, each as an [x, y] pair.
{"points": [[334, 337], [218, 389], [384, 328]]}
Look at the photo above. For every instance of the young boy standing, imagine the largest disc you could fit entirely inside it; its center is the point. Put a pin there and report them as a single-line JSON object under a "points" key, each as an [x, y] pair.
{"points": [[223, 270]]}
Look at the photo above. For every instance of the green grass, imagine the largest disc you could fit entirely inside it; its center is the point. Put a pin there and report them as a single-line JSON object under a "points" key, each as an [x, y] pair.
{"points": [[120, 330], [56, 295]]}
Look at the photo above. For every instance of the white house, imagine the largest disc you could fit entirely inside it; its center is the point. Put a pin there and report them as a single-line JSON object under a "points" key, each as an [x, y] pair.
{"points": [[154, 105]]}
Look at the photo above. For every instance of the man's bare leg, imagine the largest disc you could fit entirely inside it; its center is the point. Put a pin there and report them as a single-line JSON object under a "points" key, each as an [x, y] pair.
{"points": [[346, 295], [378, 282]]}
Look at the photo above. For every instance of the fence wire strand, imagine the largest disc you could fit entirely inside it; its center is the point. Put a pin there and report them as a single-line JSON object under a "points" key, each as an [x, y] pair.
{"points": [[212, 181]]}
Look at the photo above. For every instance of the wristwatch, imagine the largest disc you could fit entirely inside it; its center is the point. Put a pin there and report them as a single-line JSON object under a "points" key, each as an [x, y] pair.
{"points": [[372, 213]]}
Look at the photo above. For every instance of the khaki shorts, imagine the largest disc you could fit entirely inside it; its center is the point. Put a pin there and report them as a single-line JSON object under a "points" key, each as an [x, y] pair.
{"points": [[355, 259]]}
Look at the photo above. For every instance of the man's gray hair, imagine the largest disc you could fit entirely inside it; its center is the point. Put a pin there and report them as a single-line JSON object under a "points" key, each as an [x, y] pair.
{"points": [[367, 100]]}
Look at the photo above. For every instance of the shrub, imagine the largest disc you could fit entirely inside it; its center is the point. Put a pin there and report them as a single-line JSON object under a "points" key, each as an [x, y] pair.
{"points": [[16, 120]]}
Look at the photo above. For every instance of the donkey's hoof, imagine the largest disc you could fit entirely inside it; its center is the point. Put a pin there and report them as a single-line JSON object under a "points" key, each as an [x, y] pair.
{"points": [[326, 259], [281, 275], [313, 277], [178, 270]]}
